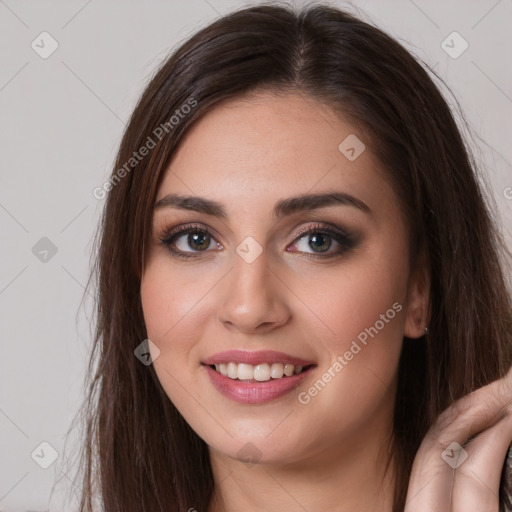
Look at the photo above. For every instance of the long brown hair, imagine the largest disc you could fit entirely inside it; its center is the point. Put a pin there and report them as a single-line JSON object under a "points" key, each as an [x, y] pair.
{"points": [[138, 452]]}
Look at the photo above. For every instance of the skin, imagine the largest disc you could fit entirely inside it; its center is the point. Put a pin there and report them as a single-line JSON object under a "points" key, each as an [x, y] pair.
{"points": [[330, 453], [481, 423]]}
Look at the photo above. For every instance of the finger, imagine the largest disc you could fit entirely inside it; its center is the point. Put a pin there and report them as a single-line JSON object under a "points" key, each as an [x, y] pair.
{"points": [[477, 478], [464, 479], [432, 477], [472, 414], [430, 491]]}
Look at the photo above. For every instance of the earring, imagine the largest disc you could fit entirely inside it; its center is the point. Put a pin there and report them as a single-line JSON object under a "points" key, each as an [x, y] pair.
{"points": [[426, 331]]}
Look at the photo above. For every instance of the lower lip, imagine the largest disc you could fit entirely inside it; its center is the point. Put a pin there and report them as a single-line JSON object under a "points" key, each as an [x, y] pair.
{"points": [[255, 392]]}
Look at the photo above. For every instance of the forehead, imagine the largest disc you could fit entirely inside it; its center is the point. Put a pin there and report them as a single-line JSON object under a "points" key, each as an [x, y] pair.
{"points": [[266, 145]]}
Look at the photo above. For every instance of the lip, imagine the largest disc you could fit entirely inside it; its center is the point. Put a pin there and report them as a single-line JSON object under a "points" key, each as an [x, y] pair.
{"points": [[254, 358], [255, 392]]}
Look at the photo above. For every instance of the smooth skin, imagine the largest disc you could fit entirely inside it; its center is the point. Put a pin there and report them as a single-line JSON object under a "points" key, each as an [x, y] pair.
{"points": [[308, 295], [481, 423]]}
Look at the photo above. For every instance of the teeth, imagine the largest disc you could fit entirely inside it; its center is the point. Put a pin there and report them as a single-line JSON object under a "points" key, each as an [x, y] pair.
{"points": [[245, 372], [288, 369], [277, 370], [261, 372], [232, 371]]}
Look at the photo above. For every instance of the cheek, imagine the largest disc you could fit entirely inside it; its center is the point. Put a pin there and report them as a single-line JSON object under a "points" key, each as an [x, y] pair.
{"points": [[174, 321], [170, 300], [171, 306], [362, 314], [355, 296]]}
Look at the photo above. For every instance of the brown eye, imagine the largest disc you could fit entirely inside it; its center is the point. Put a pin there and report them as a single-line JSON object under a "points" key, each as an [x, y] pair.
{"points": [[188, 241], [198, 241]]}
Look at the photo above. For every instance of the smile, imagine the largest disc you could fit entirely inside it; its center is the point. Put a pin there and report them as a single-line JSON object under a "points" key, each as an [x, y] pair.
{"points": [[256, 377], [258, 373]]}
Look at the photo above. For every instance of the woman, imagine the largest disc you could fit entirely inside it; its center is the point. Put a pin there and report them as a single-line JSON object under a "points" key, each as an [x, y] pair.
{"points": [[297, 275]]}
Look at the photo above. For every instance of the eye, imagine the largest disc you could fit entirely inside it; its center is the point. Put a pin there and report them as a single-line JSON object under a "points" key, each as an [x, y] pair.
{"points": [[188, 241], [323, 241], [319, 241]]}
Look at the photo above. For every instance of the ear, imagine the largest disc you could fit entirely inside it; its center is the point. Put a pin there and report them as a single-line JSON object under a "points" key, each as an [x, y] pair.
{"points": [[417, 312]]}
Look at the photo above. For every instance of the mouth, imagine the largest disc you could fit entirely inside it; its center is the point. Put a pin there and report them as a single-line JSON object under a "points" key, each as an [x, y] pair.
{"points": [[256, 377], [263, 372]]}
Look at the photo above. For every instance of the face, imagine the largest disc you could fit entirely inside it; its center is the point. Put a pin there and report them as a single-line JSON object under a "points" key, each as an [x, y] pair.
{"points": [[273, 244]]}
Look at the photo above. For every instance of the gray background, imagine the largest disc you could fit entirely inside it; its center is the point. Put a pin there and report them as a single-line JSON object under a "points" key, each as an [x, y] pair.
{"points": [[61, 120]]}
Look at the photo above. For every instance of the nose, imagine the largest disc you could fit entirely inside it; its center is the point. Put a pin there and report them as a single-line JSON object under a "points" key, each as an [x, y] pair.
{"points": [[255, 298]]}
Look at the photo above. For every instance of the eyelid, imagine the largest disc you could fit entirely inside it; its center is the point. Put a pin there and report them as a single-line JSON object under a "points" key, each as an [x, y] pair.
{"points": [[167, 233], [322, 227], [168, 236], [340, 236]]}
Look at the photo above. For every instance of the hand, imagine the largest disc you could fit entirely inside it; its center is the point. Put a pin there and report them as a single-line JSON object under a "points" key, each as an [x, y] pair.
{"points": [[448, 478]]}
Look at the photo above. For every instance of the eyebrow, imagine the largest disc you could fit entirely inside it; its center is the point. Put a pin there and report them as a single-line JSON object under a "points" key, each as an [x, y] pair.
{"points": [[282, 208]]}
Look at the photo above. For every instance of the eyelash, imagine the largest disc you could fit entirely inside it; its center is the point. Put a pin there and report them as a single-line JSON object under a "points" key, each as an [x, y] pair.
{"points": [[345, 241]]}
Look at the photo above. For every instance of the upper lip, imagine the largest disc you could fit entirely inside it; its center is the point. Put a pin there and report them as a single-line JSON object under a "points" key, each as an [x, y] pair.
{"points": [[254, 358]]}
